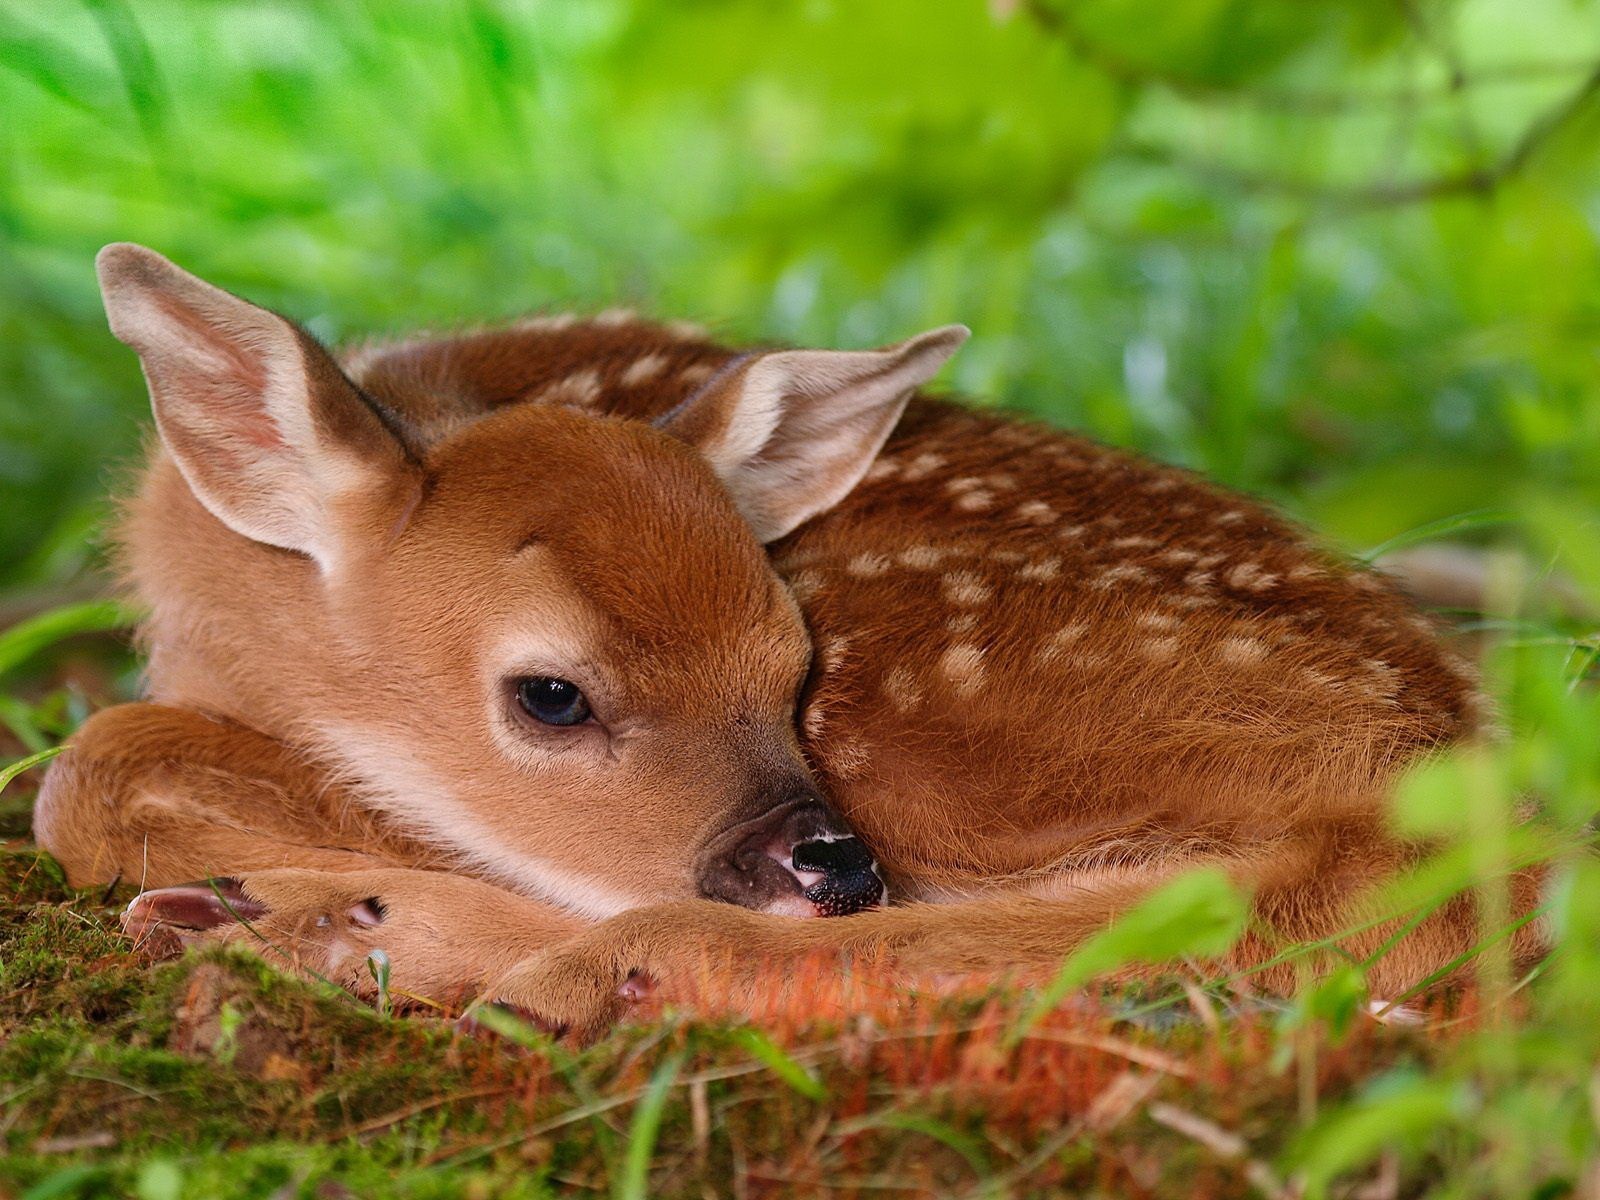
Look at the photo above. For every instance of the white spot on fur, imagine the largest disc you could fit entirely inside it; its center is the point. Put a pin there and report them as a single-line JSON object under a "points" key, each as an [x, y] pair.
{"points": [[1231, 517], [1036, 511], [814, 721], [1121, 573], [962, 665], [1159, 620], [581, 387], [1251, 577], [697, 374], [1136, 541], [832, 652], [922, 466], [1057, 643], [614, 316], [867, 565], [643, 370], [1241, 651], [687, 331], [922, 558], [976, 500], [1385, 679], [884, 468], [1040, 572], [902, 689], [548, 323], [844, 756], [966, 588], [1160, 648], [805, 585]]}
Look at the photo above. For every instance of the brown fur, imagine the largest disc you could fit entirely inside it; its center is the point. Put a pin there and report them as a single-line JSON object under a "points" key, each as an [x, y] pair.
{"points": [[1047, 677]]}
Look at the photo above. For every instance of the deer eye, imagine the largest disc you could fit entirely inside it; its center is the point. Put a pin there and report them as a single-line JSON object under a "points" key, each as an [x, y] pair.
{"points": [[552, 701]]}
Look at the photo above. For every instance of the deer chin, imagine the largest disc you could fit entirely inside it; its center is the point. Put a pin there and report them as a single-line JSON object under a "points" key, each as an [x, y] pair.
{"points": [[792, 906]]}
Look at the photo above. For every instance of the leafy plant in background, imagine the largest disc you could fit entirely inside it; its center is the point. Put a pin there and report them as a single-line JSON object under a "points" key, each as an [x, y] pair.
{"points": [[1347, 255]]}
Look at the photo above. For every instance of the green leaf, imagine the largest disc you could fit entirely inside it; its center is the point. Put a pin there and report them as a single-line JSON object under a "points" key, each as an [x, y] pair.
{"points": [[1201, 914], [1400, 1113], [781, 1065], [160, 1179], [69, 1181], [21, 642], [1337, 999]]}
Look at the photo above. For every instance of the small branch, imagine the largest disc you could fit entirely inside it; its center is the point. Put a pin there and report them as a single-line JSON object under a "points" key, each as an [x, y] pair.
{"points": [[1480, 179], [1278, 99], [1469, 181]]}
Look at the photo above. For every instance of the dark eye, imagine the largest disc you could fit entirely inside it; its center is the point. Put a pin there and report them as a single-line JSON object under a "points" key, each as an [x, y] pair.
{"points": [[552, 701]]}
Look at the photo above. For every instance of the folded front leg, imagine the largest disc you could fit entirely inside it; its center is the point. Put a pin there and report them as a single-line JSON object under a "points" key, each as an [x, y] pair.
{"points": [[444, 937], [232, 835], [154, 794], [1301, 893]]}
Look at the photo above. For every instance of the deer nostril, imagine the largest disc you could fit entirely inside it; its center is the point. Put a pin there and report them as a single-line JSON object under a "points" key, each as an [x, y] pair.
{"points": [[832, 855]]}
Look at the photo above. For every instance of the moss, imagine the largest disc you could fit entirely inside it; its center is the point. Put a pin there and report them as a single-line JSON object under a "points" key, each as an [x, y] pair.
{"points": [[215, 1075]]}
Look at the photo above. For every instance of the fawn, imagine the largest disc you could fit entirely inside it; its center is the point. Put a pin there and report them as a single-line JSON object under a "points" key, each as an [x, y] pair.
{"points": [[544, 655]]}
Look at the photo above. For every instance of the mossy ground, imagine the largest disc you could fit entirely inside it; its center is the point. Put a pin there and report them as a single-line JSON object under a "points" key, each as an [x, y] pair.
{"points": [[214, 1075]]}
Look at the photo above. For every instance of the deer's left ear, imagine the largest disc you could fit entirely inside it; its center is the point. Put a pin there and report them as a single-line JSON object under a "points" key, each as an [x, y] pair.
{"points": [[791, 432]]}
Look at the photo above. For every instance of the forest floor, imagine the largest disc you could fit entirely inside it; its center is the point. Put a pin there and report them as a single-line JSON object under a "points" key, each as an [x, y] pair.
{"points": [[214, 1075]]}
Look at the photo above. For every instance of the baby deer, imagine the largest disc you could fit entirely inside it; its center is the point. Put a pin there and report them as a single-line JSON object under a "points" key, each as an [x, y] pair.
{"points": [[463, 646]]}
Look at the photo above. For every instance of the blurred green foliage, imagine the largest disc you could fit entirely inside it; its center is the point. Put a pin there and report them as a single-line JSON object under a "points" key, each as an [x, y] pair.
{"points": [[1346, 254], [1342, 253]]}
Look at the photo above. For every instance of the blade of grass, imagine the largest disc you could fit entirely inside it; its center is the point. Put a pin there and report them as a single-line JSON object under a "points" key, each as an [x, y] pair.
{"points": [[964, 1144], [18, 717], [1481, 518], [1463, 958], [22, 641], [11, 770], [137, 65], [781, 1065], [634, 1182]]}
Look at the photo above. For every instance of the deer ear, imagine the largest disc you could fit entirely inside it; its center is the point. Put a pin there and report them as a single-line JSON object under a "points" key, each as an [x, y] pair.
{"points": [[269, 434], [791, 432]]}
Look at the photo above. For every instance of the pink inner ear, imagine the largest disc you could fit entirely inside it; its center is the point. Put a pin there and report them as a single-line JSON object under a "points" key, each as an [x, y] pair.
{"points": [[236, 384]]}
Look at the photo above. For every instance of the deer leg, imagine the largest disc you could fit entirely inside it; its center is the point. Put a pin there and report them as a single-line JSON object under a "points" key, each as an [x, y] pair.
{"points": [[163, 797], [1297, 890]]}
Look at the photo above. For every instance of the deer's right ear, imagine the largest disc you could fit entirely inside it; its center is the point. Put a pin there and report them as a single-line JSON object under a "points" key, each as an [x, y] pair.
{"points": [[268, 432], [791, 432]]}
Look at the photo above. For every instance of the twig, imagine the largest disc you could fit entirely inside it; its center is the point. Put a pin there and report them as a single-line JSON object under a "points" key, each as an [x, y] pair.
{"points": [[1223, 1143]]}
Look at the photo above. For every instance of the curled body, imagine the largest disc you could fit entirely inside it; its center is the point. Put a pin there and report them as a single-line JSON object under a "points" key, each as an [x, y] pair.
{"points": [[587, 645]]}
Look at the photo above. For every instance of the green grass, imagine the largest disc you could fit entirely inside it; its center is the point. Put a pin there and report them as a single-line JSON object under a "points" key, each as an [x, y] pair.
{"points": [[1344, 255]]}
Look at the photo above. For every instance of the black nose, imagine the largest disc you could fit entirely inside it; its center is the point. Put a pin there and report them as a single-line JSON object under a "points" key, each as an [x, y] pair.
{"points": [[799, 858], [849, 880]]}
